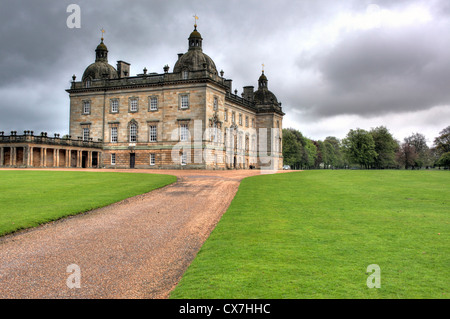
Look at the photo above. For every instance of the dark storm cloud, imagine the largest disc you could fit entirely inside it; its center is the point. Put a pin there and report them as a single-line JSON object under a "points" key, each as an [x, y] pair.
{"points": [[381, 71], [365, 73]]}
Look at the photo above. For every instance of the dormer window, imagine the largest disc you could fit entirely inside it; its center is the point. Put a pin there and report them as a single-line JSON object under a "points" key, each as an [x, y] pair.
{"points": [[87, 84], [185, 74]]}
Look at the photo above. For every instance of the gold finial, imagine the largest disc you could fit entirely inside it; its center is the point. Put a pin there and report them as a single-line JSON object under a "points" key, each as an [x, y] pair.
{"points": [[262, 67], [103, 31], [195, 20]]}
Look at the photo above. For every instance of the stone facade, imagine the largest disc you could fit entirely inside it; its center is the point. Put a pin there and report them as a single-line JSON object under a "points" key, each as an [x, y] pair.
{"points": [[188, 118], [143, 120]]}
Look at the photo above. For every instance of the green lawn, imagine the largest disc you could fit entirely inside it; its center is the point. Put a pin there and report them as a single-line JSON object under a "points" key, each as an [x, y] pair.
{"points": [[312, 234], [30, 198]]}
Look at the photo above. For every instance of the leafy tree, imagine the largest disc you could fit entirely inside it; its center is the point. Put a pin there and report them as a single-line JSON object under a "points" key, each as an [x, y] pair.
{"points": [[292, 148], [333, 151], [385, 147], [444, 160], [309, 153], [442, 142], [406, 155], [319, 153], [420, 145], [359, 147]]}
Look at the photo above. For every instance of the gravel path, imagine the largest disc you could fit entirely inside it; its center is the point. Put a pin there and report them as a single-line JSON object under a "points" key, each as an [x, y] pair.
{"points": [[137, 248]]}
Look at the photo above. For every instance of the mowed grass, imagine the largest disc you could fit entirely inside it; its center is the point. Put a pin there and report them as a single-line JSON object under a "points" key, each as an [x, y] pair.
{"points": [[30, 198], [313, 234]]}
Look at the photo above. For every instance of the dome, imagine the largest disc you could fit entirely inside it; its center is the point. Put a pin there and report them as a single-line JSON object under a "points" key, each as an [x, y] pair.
{"points": [[100, 70], [263, 95], [195, 59], [195, 34]]}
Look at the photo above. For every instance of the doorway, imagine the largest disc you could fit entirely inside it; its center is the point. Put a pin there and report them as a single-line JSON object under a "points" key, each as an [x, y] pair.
{"points": [[132, 160]]}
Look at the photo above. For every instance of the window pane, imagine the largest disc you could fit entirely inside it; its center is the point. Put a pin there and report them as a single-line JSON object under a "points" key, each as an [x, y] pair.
{"points": [[85, 134], [184, 101], [86, 107], [114, 106], [133, 105], [153, 103], [113, 134], [133, 133], [184, 132], [153, 133], [152, 159]]}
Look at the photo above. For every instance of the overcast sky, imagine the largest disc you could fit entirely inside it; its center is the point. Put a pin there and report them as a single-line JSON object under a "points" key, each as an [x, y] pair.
{"points": [[334, 65]]}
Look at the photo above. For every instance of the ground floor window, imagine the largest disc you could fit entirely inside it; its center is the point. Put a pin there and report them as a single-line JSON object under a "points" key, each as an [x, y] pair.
{"points": [[183, 159], [152, 159], [113, 159]]}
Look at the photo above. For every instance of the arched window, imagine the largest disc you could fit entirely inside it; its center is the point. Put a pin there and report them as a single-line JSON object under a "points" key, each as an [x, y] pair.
{"points": [[133, 131]]}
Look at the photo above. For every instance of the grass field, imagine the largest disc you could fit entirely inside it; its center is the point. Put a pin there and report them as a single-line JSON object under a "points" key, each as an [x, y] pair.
{"points": [[30, 198], [313, 234]]}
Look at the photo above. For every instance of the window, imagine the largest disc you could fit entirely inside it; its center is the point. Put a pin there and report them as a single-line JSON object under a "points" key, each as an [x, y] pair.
{"points": [[216, 104], [88, 83], [113, 159], [240, 119], [183, 159], [133, 132], [86, 107], [133, 105], [184, 132], [246, 121], [153, 133], [152, 159], [113, 134], [184, 101], [85, 134], [185, 75], [153, 103], [225, 116], [233, 117], [114, 106], [253, 123]]}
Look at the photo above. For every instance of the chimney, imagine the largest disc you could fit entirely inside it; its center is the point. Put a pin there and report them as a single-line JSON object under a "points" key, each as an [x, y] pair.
{"points": [[229, 85], [123, 69], [248, 93]]}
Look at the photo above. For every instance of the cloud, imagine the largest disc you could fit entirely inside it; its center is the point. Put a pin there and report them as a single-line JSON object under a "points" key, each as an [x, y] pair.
{"points": [[376, 71], [368, 60]]}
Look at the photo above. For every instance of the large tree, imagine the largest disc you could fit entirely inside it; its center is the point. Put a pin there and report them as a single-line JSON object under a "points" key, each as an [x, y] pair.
{"points": [[292, 148], [406, 155], [359, 147], [444, 160], [442, 142], [332, 150], [419, 142], [385, 147]]}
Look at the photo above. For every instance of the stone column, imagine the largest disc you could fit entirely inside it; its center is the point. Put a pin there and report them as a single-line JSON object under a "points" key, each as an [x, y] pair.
{"points": [[89, 164], [45, 157], [2, 156], [12, 156], [30, 155], [67, 158], [57, 158]]}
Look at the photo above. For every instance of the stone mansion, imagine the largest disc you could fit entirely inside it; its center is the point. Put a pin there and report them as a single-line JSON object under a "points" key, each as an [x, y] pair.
{"points": [[187, 118]]}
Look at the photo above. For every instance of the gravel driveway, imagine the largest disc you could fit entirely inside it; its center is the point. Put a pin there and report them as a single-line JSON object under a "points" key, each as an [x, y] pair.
{"points": [[137, 248]]}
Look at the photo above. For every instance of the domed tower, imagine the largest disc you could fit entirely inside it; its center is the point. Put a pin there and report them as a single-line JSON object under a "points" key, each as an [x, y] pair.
{"points": [[194, 59], [263, 97], [100, 69]]}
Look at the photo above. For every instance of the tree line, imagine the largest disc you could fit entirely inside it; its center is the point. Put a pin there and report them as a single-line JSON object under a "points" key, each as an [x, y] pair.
{"points": [[374, 149]]}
